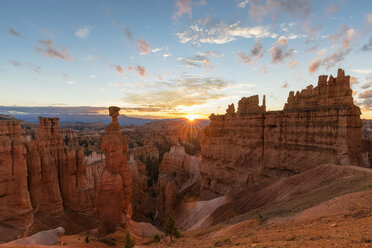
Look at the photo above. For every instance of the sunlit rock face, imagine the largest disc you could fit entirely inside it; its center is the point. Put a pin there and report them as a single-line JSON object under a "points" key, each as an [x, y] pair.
{"points": [[42, 162], [14, 195], [115, 189], [317, 126], [57, 178]]}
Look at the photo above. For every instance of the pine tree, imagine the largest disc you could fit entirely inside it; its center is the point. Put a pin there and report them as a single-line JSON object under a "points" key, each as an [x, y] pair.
{"points": [[171, 229]]}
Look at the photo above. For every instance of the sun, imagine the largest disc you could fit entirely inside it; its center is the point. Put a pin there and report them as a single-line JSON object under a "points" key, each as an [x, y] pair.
{"points": [[191, 118]]}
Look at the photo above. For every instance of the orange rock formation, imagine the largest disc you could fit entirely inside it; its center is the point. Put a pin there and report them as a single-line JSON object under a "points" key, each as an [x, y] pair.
{"points": [[115, 191], [317, 126]]}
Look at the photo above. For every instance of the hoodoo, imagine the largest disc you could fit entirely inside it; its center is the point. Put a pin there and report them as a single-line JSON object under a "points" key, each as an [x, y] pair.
{"points": [[115, 188]]}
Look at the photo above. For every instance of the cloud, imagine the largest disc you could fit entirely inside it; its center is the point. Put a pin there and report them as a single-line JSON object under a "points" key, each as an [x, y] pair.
{"points": [[181, 91], [282, 41], [346, 34], [200, 59], [128, 33], [293, 63], [243, 4], [119, 69], [314, 65], [276, 8], [71, 82], [15, 63], [344, 37], [365, 94], [209, 30], [148, 109], [183, 7], [367, 85], [362, 71], [92, 76], [279, 54], [331, 9], [330, 61], [140, 69], [47, 49], [285, 85], [83, 32], [155, 50], [244, 58], [257, 52], [353, 80], [368, 47], [144, 47], [369, 18], [13, 32]]}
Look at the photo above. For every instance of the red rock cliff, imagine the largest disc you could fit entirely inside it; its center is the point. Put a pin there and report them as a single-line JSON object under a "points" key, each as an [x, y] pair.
{"points": [[14, 195], [318, 125]]}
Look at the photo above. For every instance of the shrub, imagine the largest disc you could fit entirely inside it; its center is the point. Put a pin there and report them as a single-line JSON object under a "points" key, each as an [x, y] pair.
{"points": [[128, 241], [156, 238]]}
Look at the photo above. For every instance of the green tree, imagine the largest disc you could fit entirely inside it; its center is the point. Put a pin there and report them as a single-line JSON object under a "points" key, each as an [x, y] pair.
{"points": [[128, 241], [171, 229]]}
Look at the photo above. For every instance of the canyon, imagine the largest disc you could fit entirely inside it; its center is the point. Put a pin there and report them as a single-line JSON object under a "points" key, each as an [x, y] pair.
{"points": [[246, 162]]}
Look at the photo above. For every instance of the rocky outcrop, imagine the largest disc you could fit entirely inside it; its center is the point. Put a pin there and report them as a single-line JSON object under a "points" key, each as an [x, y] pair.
{"points": [[14, 195], [178, 179], [115, 190], [317, 125], [58, 178], [43, 156]]}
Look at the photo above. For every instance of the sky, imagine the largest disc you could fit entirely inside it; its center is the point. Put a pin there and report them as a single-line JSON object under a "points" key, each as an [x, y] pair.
{"points": [[171, 58]]}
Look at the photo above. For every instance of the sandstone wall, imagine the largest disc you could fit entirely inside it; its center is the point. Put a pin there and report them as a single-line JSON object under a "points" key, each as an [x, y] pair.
{"points": [[318, 125], [39, 173], [14, 195]]}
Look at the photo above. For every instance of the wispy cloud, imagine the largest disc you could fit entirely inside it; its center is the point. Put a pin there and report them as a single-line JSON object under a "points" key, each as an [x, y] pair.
{"points": [[368, 47], [200, 59], [92, 76], [182, 91], [140, 69], [83, 32], [279, 52], [331, 60], [343, 38], [119, 69], [13, 32], [71, 82], [362, 71], [366, 85], [296, 8], [369, 18], [257, 52], [243, 4], [143, 46], [183, 7], [365, 94], [15, 63], [47, 49], [212, 31], [128, 33]]}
